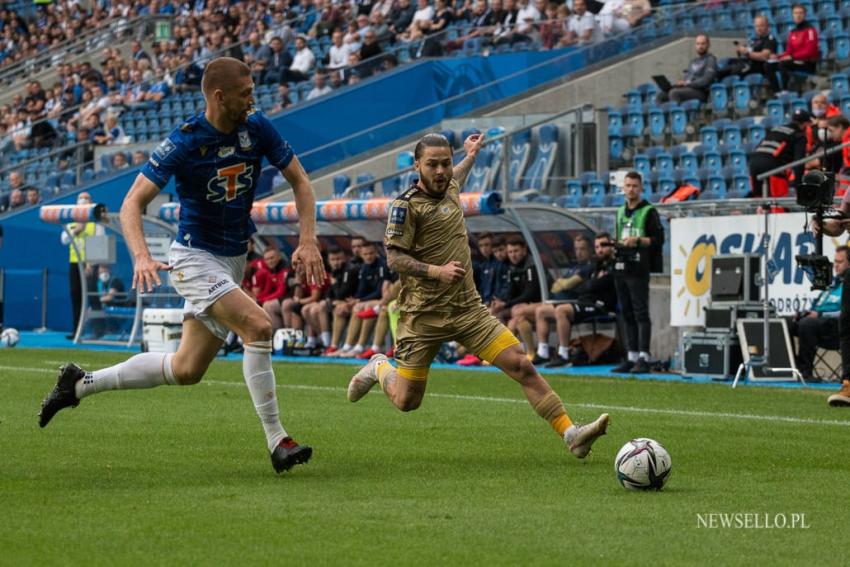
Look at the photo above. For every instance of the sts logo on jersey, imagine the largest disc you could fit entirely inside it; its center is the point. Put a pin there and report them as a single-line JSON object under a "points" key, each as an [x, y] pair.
{"points": [[230, 182]]}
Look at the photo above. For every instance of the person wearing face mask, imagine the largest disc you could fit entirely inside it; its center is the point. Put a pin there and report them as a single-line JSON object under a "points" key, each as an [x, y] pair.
{"points": [[74, 237], [817, 135], [109, 291]]}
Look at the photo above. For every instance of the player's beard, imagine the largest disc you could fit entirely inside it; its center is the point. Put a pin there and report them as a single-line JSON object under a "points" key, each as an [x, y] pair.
{"points": [[435, 188]]}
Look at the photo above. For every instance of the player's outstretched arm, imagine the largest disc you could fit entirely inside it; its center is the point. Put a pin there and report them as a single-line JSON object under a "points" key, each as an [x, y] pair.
{"points": [[145, 269], [306, 257], [403, 263], [471, 145]]}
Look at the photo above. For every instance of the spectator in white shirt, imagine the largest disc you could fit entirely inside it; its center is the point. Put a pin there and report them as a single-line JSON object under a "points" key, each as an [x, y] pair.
{"points": [[619, 16], [320, 87], [581, 25], [302, 62], [424, 12], [338, 54], [527, 15]]}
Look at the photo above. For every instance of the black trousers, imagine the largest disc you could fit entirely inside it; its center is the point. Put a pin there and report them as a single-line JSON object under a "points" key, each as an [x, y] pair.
{"points": [[779, 73], [633, 297], [76, 294], [814, 332], [844, 326]]}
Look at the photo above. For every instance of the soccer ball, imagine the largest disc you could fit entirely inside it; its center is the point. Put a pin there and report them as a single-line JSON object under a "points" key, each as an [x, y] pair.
{"points": [[642, 464], [9, 337]]}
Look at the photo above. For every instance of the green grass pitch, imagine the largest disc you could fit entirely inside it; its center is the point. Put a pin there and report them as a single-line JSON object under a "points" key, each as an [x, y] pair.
{"points": [[181, 475]]}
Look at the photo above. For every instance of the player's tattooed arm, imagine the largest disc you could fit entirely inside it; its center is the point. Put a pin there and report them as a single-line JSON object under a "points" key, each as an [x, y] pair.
{"points": [[471, 146], [402, 263]]}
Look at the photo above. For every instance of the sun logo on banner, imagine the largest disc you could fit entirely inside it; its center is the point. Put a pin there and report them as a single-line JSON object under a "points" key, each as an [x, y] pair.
{"points": [[697, 272]]}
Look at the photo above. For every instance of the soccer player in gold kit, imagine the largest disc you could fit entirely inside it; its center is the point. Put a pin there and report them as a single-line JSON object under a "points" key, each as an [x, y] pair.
{"points": [[427, 245]]}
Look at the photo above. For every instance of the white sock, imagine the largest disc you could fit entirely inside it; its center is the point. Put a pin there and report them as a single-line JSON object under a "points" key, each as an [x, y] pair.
{"points": [[543, 350], [644, 355], [564, 352], [311, 342], [633, 356], [346, 346], [259, 376], [326, 338], [146, 370], [358, 349]]}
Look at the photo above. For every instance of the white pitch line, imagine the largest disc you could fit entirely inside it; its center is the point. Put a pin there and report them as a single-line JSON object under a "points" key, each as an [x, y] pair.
{"points": [[628, 409], [631, 409]]}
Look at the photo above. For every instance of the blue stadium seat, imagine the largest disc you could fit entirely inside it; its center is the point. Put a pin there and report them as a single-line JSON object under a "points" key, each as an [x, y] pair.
{"points": [[775, 109], [844, 105], [341, 183], [538, 172], [755, 133], [657, 124], [841, 46], [717, 185], [719, 99], [709, 136], [597, 193], [615, 121], [390, 187], [643, 165], [840, 85], [574, 196], [367, 191], [634, 118], [732, 136], [742, 98], [712, 161], [479, 175], [616, 146], [665, 185], [664, 164], [737, 160], [520, 150], [678, 124], [688, 162], [799, 104], [740, 187], [831, 25]]}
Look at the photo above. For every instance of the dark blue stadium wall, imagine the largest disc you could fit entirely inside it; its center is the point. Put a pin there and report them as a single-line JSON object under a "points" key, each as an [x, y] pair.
{"points": [[316, 131]]}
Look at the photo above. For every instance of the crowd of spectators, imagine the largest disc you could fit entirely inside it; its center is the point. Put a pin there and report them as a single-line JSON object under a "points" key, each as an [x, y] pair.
{"points": [[348, 315], [328, 43]]}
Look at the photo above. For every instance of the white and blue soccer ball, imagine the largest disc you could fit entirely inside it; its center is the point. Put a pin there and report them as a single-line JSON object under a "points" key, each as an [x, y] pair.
{"points": [[9, 337], [643, 464]]}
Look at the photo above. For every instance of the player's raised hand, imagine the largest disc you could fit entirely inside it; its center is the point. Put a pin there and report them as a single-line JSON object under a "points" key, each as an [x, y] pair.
{"points": [[472, 144], [146, 274], [308, 261], [451, 272]]}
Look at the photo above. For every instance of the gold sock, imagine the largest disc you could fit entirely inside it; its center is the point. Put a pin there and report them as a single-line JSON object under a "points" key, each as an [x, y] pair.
{"points": [[383, 369], [527, 335], [551, 408]]}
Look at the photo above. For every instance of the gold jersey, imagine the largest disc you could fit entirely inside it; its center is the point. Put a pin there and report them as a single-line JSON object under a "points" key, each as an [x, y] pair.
{"points": [[432, 230]]}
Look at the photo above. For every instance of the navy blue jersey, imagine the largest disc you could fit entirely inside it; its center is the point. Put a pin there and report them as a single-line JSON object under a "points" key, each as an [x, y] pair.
{"points": [[216, 175]]}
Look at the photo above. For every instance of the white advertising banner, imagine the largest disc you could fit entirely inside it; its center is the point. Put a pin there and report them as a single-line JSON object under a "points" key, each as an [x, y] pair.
{"points": [[693, 241]]}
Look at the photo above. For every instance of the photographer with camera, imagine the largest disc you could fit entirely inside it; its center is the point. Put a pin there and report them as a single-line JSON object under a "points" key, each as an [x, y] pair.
{"points": [[818, 327], [640, 238], [816, 193]]}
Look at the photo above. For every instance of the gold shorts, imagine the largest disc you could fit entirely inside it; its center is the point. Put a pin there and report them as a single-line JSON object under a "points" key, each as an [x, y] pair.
{"points": [[420, 335]]}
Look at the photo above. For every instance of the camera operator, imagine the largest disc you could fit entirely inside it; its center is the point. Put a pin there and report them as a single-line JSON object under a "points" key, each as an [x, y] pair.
{"points": [[818, 327], [640, 238], [835, 227], [781, 145]]}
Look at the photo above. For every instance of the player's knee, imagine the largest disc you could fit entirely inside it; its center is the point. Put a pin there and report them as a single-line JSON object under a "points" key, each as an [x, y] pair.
{"points": [[258, 328], [410, 401], [187, 373], [520, 368]]}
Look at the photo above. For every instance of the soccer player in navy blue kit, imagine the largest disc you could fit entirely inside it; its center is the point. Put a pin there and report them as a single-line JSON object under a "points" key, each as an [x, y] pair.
{"points": [[216, 158]]}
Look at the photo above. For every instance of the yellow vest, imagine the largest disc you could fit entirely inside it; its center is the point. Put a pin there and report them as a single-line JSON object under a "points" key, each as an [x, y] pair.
{"points": [[80, 242]]}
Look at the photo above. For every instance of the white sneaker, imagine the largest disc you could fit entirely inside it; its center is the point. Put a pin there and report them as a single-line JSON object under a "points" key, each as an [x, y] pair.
{"points": [[579, 438], [367, 377]]}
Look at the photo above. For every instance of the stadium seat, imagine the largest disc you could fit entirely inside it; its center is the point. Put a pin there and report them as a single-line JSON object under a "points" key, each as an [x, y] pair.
{"points": [[709, 136], [717, 186], [520, 150], [741, 97], [732, 136], [841, 47], [366, 189], [712, 161], [479, 175], [341, 184], [615, 121], [390, 186], [719, 99], [643, 165], [775, 110], [688, 162], [657, 124], [678, 124], [840, 85], [737, 160], [574, 196], [597, 193], [799, 104], [740, 187], [756, 133], [664, 164]]}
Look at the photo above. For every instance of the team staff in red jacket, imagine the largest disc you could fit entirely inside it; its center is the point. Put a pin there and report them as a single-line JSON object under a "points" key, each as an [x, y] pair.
{"points": [[802, 51]]}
